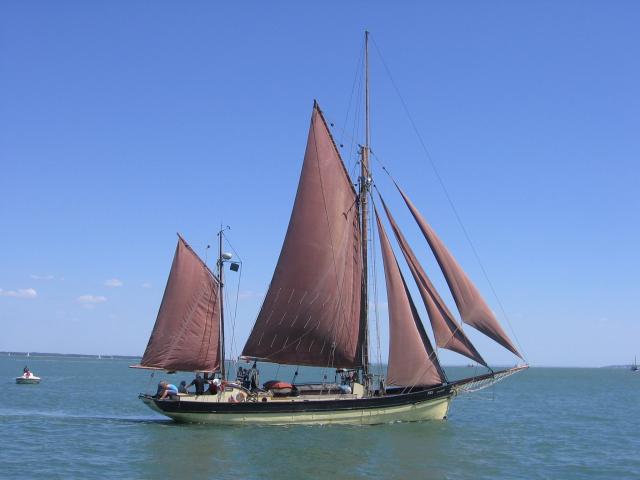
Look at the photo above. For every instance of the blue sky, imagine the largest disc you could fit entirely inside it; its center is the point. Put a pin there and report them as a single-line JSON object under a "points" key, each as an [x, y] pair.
{"points": [[122, 123]]}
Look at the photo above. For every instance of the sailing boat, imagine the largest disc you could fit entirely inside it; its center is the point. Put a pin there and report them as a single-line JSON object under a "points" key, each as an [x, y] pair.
{"points": [[634, 367], [315, 313]]}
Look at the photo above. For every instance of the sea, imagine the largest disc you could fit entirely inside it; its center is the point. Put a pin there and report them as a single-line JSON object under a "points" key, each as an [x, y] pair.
{"points": [[84, 420]]}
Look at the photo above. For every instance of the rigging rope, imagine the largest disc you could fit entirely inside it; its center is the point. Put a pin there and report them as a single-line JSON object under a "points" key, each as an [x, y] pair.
{"points": [[357, 76], [446, 192], [375, 293], [235, 311], [355, 129], [482, 383]]}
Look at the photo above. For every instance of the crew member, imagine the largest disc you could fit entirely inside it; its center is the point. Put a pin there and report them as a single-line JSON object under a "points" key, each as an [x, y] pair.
{"points": [[254, 377], [199, 383], [169, 390], [183, 387]]}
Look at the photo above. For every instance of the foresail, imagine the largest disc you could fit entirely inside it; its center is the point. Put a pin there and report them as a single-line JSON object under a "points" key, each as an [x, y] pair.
{"points": [[186, 335], [412, 360], [472, 307], [447, 332], [311, 312]]}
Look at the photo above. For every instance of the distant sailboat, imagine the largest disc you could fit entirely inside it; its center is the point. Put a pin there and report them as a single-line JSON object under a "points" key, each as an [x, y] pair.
{"points": [[315, 313], [634, 367]]}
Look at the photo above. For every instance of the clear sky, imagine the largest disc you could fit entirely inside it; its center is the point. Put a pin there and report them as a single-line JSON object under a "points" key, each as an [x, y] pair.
{"points": [[124, 122]]}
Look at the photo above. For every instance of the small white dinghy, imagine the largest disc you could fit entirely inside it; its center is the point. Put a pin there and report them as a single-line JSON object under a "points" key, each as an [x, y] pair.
{"points": [[27, 378]]}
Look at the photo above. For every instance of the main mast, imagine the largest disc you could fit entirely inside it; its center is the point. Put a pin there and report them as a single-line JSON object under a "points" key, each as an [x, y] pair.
{"points": [[365, 182]]}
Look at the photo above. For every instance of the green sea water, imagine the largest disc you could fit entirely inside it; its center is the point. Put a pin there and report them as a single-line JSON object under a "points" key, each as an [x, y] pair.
{"points": [[84, 421]]}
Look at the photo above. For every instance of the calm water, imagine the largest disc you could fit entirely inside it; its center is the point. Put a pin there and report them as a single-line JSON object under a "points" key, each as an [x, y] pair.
{"points": [[84, 421]]}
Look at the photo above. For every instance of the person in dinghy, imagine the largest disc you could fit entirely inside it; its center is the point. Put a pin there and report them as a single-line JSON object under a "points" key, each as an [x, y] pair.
{"points": [[27, 377]]}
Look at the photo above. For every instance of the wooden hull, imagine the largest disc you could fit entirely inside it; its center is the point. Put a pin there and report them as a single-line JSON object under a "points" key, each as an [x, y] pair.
{"points": [[424, 405], [398, 405]]}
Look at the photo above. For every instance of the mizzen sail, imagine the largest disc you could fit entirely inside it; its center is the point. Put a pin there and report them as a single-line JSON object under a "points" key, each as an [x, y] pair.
{"points": [[472, 307], [412, 360], [186, 335], [311, 312], [447, 332]]}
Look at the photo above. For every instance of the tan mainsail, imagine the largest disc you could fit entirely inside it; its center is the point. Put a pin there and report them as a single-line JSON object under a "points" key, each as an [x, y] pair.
{"points": [[311, 313], [446, 330], [412, 360], [472, 307], [186, 335]]}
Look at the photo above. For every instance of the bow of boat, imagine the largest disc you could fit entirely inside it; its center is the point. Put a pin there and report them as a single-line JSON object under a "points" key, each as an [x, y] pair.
{"points": [[479, 382]]}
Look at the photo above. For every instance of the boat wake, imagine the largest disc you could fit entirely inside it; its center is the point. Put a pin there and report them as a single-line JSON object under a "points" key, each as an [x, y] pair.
{"points": [[104, 418]]}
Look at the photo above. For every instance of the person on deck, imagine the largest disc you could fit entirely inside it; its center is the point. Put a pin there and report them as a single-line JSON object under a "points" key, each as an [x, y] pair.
{"points": [[254, 377], [169, 390], [183, 387], [199, 383], [215, 386], [243, 377]]}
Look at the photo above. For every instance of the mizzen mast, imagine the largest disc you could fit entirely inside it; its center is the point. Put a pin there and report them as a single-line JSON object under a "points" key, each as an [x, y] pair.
{"points": [[365, 185], [221, 297]]}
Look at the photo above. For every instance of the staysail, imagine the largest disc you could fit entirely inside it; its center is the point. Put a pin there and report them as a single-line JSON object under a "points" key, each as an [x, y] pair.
{"points": [[472, 307], [412, 361], [311, 312], [186, 335], [446, 330]]}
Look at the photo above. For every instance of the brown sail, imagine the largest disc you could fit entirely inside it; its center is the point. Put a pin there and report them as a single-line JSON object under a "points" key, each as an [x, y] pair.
{"points": [[472, 307], [446, 330], [311, 313], [412, 360], [186, 335]]}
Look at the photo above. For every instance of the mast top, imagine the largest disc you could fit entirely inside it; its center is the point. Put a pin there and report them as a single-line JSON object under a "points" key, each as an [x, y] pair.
{"points": [[366, 91]]}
